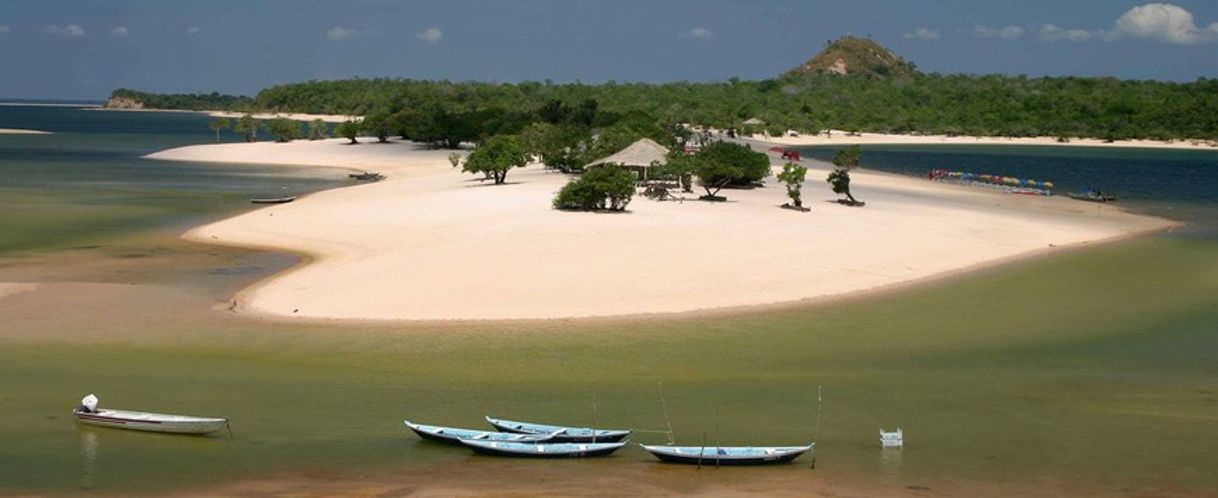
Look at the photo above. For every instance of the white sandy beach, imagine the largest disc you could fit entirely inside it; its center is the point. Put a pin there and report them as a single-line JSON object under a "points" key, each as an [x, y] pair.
{"points": [[298, 116], [839, 137], [432, 244], [16, 131]]}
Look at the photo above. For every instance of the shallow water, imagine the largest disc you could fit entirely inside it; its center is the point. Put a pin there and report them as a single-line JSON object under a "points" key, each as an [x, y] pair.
{"points": [[1089, 372]]}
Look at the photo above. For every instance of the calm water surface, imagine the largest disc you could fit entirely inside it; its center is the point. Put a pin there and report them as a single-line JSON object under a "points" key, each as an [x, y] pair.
{"points": [[1092, 372]]}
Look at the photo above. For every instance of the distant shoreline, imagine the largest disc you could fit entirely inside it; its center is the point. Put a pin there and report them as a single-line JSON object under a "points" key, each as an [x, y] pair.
{"points": [[46, 104], [842, 138], [18, 131], [298, 116]]}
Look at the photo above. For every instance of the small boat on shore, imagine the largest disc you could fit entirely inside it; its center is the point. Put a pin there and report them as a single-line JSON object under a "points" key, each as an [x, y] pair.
{"points": [[530, 450], [89, 413], [454, 435], [1093, 196], [561, 434], [273, 200], [367, 176], [727, 455]]}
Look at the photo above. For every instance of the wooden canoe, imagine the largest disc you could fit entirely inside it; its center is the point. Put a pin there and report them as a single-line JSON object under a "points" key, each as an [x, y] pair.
{"points": [[530, 450], [562, 434], [150, 422], [727, 455], [454, 435]]}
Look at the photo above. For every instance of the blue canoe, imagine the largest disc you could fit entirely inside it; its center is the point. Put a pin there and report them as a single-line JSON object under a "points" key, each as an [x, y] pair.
{"points": [[554, 450], [561, 434], [727, 455], [455, 435]]}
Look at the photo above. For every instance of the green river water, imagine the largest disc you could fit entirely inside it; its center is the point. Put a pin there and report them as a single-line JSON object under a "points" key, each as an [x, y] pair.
{"points": [[1093, 372]]}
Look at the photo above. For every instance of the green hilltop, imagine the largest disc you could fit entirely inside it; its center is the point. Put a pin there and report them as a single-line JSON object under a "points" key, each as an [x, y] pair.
{"points": [[855, 56]]}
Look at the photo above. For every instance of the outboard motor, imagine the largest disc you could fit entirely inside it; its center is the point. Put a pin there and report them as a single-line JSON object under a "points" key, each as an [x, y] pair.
{"points": [[88, 404]]}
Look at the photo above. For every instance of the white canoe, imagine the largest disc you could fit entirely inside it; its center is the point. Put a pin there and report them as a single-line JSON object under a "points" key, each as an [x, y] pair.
{"points": [[151, 422]]}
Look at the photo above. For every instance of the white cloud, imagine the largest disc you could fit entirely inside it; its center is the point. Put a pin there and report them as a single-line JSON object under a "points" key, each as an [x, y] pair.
{"points": [[922, 34], [120, 32], [4, 29], [70, 31], [1006, 33], [339, 33], [1053, 33], [193, 30], [698, 32], [1163, 22], [430, 35]]}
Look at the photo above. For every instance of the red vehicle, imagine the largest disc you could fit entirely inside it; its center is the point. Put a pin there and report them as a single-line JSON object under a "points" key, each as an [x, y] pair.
{"points": [[791, 155]]}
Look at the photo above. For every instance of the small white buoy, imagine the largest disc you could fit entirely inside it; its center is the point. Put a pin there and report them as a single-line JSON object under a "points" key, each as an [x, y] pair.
{"points": [[893, 439]]}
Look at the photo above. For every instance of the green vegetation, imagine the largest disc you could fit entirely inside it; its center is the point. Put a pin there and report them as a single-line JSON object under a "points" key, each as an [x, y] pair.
{"points": [[454, 159], [285, 129], [879, 93], [496, 156], [602, 188], [380, 126], [186, 101], [318, 129], [792, 177], [718, 165], [349, 130], [846, 159], [248, 126], [219, 124]]}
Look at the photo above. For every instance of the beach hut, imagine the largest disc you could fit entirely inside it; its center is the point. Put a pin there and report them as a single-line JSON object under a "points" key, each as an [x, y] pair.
{"points": [[642, 155]]}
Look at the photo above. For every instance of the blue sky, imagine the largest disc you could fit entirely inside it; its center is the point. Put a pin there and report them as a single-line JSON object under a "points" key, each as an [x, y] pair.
{"points": [[85, 48]]}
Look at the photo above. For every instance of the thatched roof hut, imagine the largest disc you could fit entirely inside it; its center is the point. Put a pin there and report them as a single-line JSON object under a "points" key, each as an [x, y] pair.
{"points": [[643, 154]]}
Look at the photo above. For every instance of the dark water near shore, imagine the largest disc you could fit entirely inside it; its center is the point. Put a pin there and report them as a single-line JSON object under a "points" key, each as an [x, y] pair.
{"points": [[1178, 184], [1088, 373]]}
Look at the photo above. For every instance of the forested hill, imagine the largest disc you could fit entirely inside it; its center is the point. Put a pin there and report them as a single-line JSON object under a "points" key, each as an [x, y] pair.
{"points": [[854, 56], [902, 101]]}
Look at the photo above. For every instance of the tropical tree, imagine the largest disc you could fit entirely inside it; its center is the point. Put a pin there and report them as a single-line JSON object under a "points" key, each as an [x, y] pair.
{"points": [[559, 146], [846, 159], [318, 129], [248, 126], [792, 177], [218, 124], [602, 188], [284, 129], [724, 163], [680, 167], [495, 156], [454, 159], [380, 126], [349, 129]]}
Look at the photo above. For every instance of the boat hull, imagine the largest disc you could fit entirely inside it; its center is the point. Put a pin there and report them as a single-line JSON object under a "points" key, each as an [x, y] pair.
{"points": [[174, 424], [560, 434], [452, 435], [557, 450], [709, 456]]}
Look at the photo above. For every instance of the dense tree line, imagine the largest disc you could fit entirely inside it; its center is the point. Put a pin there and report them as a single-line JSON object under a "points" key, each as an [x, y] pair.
{"points": [[186, 101], [926, 103]]}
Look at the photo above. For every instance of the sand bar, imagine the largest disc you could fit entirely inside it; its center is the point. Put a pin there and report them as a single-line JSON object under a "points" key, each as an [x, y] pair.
{"points": [[430, 243], [9, 289], [298, 116], [839, 137], [17, 131]]}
